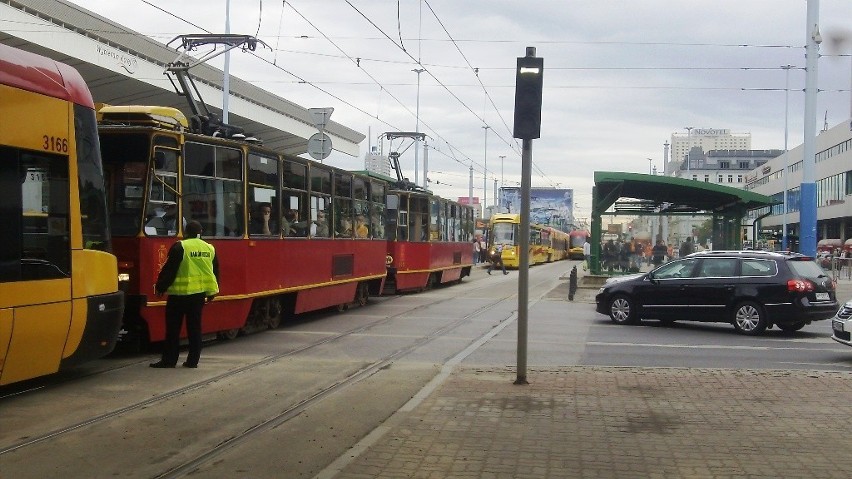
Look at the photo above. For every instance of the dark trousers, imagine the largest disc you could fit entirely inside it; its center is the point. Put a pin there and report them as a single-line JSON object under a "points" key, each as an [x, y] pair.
{"points": [[178, 306], [496, 262]]}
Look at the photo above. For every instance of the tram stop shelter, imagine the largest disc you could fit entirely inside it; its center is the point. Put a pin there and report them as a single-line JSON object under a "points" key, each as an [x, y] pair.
{"points": [[636, 194]]}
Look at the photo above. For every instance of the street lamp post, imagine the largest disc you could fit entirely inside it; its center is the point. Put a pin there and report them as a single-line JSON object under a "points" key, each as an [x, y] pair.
{"points": [[650, 165], [418, 71], [688, 144], [485, 172], [786, 68], [502, 182]]}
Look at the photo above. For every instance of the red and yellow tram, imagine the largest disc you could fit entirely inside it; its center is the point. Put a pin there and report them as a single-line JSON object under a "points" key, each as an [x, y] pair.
{"points": [[430, 240], [291, 235]]}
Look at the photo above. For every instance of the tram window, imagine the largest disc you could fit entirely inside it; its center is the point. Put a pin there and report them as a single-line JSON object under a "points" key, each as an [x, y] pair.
{"points": [[343, 185], [294, 220], [229, 163], [35, 233], [263, 212], [391, 214], [216, 204], [320, 180], [436, 232], [377, 219], [90, 173], [320, 216], [377, 192], [343, 218], [359, 189], [418, 218], [262, 170], [295, 175], [164, 179]]}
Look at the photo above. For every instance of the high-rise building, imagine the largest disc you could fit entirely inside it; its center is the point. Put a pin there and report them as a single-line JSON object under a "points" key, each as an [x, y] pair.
{"points": [[707, 139]]}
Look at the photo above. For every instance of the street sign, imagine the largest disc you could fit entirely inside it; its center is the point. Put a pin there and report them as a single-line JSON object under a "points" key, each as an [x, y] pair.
{"points": [[320, 116], [319, 146]]}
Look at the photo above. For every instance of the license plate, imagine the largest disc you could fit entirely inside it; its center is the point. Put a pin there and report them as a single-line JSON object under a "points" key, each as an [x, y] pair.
{"points": [[822, 296], [837, 326]]}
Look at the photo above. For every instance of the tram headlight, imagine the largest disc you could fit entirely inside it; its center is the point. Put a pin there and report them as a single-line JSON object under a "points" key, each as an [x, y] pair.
{"points": [[123, 277]]}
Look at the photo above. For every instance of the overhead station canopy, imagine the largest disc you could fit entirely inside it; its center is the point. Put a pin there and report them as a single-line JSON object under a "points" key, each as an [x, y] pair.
{"points": [[637, 194], [124, 67]]}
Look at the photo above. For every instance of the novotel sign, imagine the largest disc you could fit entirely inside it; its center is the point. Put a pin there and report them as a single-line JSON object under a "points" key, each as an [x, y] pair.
{"points": [[710, 131]]}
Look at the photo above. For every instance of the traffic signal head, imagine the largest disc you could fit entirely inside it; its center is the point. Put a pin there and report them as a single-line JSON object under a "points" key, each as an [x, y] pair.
{"points": [[528, 85]]}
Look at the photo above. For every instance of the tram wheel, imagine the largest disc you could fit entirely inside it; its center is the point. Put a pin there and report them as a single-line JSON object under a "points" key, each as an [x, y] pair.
{"points": [[228, 334], [363, 294], [273, 313]]}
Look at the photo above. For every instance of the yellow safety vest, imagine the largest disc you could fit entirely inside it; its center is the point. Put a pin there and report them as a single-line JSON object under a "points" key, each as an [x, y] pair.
{"points": [[195, 273]]}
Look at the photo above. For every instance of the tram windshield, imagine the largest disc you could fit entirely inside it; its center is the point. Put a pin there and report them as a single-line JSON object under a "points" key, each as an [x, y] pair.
{"points": [[503, 233]]}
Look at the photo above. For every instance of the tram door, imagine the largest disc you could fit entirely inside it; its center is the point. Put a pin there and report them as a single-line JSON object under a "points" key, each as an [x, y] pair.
{"points": [[35, 263]]}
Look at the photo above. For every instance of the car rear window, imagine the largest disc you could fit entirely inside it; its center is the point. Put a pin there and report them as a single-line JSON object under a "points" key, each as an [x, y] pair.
{"points": [[806, 268], [759, 267]]}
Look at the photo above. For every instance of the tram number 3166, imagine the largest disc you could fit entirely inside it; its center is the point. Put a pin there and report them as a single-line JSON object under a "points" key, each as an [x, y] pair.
{"points": [[53, 143]]}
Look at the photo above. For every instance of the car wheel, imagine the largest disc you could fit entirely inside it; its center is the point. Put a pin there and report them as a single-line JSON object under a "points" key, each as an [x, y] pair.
{"points": [[622, 310], [791, 328], [749, 318]]}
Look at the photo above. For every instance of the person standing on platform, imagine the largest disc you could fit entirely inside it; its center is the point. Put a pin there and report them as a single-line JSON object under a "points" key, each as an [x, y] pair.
{"points": [[191, 278], [686, 248]]}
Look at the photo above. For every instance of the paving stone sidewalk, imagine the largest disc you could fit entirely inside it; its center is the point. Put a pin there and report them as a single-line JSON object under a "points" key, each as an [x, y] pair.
{"points": [[605, 422]]}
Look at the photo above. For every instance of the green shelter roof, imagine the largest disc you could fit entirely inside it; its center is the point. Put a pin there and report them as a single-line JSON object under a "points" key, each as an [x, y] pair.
{"points": [[636, 193]]}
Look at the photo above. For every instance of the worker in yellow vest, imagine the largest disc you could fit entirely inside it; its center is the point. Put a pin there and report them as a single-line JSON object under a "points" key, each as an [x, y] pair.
{"points": [[191, 278]]}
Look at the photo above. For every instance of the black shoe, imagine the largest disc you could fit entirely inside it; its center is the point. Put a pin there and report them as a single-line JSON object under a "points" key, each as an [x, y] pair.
{"points": [[489, 272], [187, 365], [160, 364], [505, 272]]}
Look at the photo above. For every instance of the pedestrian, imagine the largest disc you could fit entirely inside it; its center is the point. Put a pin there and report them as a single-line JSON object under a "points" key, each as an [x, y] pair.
{"points": [[497, 259], [191, 278], [587, 252], [483, 250], [658, 253], [686, 248], [477, 247]]}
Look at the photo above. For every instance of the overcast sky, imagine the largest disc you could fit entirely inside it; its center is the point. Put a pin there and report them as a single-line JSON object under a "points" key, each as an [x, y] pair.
{"points": [[620, 76]]}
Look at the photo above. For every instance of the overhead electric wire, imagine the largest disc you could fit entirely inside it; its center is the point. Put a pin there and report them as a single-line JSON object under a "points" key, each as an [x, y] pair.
{"points": [[375, 80]]}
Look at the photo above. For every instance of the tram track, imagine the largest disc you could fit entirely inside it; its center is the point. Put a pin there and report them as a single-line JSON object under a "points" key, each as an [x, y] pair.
{"points": [[296, 407], [191, 466]]}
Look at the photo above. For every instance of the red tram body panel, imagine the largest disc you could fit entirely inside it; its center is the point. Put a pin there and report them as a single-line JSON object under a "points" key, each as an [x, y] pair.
{"points": [[419, 265], [313, 273]]}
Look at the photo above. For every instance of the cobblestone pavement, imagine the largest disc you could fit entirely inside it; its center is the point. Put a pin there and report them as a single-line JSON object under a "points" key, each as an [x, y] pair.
{"points": [[604, 422]]}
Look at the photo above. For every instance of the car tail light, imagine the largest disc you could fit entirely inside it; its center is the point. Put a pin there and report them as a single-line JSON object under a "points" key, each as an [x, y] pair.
{"points": [[799, 285]]}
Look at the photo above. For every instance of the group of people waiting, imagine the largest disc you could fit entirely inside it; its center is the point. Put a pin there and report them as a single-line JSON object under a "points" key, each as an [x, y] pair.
{"points": [[629, 256]]}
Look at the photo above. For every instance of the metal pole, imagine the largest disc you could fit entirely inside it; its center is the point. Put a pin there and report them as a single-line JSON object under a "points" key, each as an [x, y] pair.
{"points": [[688, 145], [470, 188], [650, 165], [418, 71], [425, 164], [226, 78], [485, 172], [808, 207], [524, 261], [784, 242], [502, 182]]}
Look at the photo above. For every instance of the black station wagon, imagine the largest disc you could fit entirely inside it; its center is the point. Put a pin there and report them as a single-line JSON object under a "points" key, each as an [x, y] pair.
{"points": [[753, 290]]}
